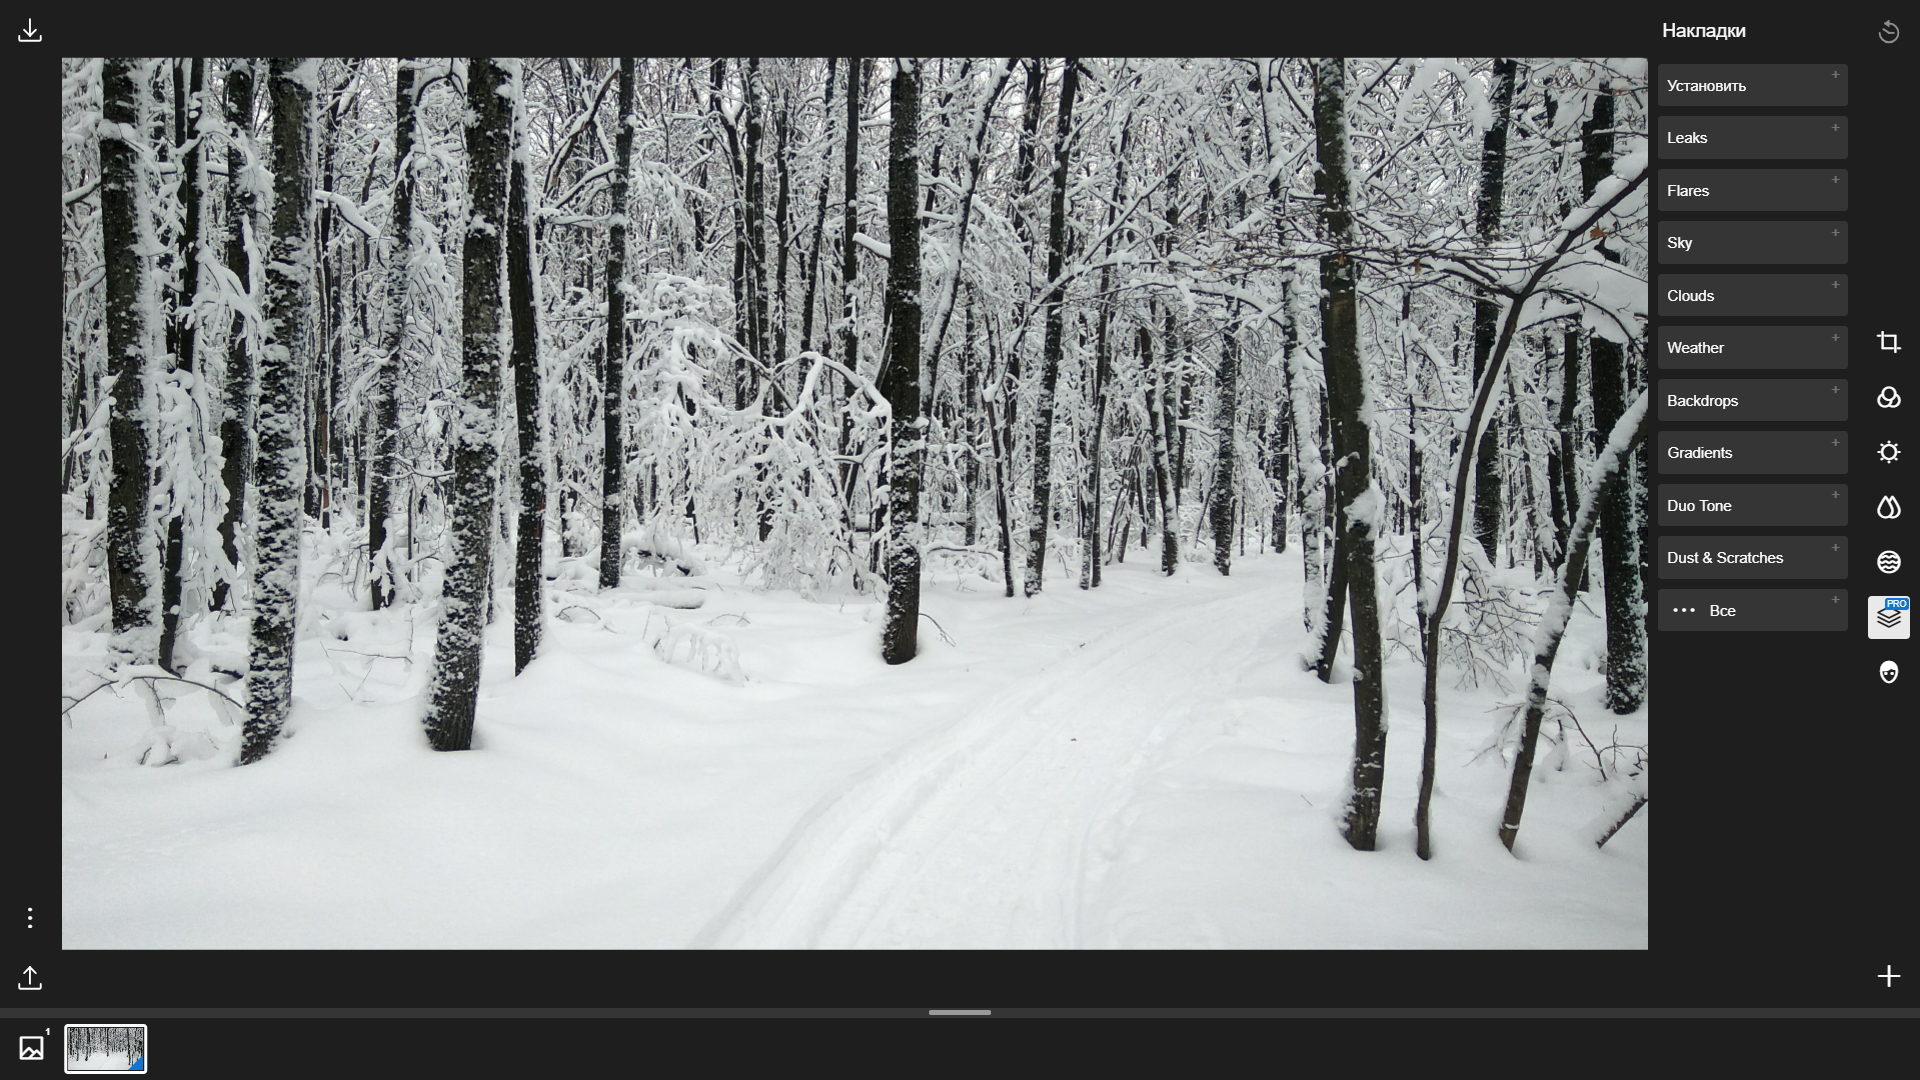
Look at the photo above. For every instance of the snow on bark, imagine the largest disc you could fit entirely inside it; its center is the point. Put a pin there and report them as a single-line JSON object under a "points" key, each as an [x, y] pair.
{"points": [[613, 396], [1352, 449], [900, 638], [529, 609], [243, 335], [1552, 628], [455, 680], [398, 243], [126, 236], [280, 467], [1053, 345]]}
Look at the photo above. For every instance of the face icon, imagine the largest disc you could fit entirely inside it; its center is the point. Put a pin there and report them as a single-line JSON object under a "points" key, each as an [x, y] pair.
{"points": [[1889, 671]]}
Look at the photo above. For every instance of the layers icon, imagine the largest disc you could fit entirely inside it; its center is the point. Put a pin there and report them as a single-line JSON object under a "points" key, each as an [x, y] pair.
{"points": [[1889, 617]]}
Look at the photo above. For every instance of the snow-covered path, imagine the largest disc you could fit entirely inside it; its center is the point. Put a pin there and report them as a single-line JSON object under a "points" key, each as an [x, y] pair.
{"points": [[978, 834], [1140, 766]]}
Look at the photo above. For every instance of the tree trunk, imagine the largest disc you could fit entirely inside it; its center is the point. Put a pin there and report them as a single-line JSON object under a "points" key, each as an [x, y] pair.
{"points": [[1226, 420], [285, 357], [1627, 431], [1050, 360], [819, 226], [385, 463], [1359, 501], [187, 155], [528, 613], [1279, 446], [455, 680], [1483, 396], [850, 257], [900, 639], [123, 230], [1626, 666], [613, 388], [1486, 310], [1157, 419], [1313, 490]]}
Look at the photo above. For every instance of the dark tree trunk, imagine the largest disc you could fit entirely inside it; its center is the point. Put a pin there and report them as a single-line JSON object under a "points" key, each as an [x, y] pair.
{"points": [[385, 463], [121, 209], [1028, 152], [613, 387], [1226, 420], [1626, 667], [1483, 396], [1358, 509], [1486, 310], [285, 357], [528, 616], [326, 329], [1626, 432], [899, 639], [1279, 448], [1050, 360], [1416, 499], [1333, 618], [1090, 575], [187, 155], [1313, 491], [850, 255], [970, 424], [455, 682], [782, 202], [1157, 418], [756, 249], [819, 226]]}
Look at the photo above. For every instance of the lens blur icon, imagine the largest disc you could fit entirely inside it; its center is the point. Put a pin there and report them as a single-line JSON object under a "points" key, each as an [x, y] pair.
{"points": [[1889, 671]]}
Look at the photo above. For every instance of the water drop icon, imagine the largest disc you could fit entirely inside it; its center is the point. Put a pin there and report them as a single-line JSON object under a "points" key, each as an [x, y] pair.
{"points": [[1889, 507]]}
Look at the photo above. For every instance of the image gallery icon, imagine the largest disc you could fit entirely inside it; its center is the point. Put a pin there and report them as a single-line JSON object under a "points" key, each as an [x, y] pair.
{"points": [[1889, 617], [33, 1048]]}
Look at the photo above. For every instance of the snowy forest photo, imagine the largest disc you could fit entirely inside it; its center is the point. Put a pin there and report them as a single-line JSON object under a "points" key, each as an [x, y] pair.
{"points": [[854, 503]]}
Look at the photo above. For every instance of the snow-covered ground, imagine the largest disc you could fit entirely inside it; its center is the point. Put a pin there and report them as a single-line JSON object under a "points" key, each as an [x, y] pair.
{"points": [[102, 1063], [1142, 765]]}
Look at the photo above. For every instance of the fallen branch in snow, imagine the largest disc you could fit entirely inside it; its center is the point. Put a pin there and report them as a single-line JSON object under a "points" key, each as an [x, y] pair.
{"points": [[147, 679], [374, 655], [944, 636], [1628, 432], [707, 651], [1638, 802], [683, 599]]}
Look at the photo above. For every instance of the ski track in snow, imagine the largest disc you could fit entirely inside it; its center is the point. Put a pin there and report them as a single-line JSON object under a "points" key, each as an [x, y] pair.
{"points": [[976, 835]]}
